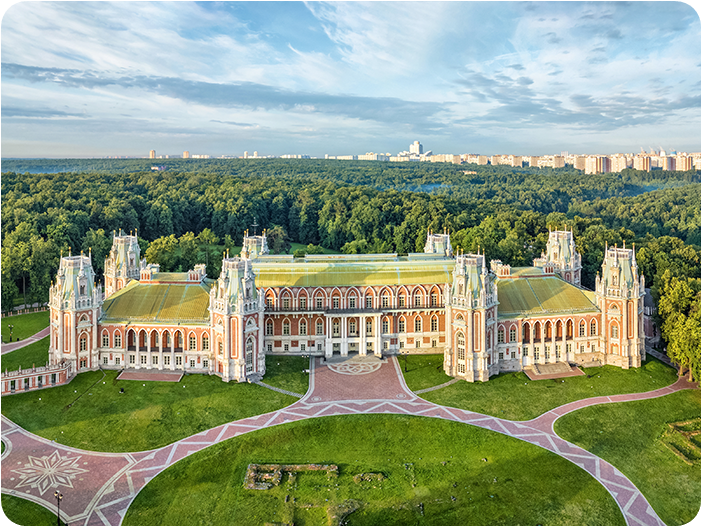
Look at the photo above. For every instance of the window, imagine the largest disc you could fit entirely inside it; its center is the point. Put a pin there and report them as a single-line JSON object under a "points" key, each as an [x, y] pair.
{"points": [[286, 302], [178, 360], [536, 352], [303, 302], [82, 289], [582, 328], [461, 368], [417, 300], [369, 302], [593, 328], [512, 334], [386, 326], [385, 345], [319, 302], [286, 347], [547, 352], [594, 348], [402, 344], [205, 363], [582, 348], [385, 301], [558, 351], [435, 324], [335, 302], [83, 343], [269, 346], [132, 359], [269, 301], [105, 360], [192, 363], [433, 343], [319, 346], [221, 348], [320, 328], [417, 344], [303, 327], [154, 360], [286, 327], [514, 355], [401, 325], [417, 325], [142, 359], [500, 336], [166, 360], [105, 340], [369, 326], [352, 302], [352, 327], [269, 327], [615, 331], [118, 340], [205, 342], [501, 356], [433, 299], [526, 352], [401, 301], [192, 342], [461, 346], [117, 361], [335, 328], [302, 347]]}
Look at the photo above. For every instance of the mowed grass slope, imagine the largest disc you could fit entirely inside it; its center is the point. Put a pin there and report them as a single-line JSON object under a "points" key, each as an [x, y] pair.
{"points": [[514, 396], [25, 512], [628, 436], [435, 476], [288, 373], [423, 371], [24, 325], [147, 415], [36, 354]]}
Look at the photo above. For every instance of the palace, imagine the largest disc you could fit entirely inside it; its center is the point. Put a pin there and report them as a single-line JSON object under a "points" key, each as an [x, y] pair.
{"points": [[484, 320]]}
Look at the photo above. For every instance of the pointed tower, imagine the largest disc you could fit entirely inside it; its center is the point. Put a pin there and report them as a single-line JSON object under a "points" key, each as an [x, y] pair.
{"points": [[471, 315], [620, 296], [122, 264], [75, 302], [439, 244], [561, 253], [254, 246], [236, 316]]}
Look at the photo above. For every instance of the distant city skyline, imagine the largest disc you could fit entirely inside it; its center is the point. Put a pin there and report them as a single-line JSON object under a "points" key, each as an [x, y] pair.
{"points": [[98, 79]]}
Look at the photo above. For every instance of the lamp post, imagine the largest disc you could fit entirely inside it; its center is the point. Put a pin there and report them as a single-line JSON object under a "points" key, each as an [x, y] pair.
{"points": [[405, 353], [58, 497], [11, 328]]}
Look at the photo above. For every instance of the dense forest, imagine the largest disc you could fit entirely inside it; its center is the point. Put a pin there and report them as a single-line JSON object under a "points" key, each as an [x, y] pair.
{"points": [[196, 208]]}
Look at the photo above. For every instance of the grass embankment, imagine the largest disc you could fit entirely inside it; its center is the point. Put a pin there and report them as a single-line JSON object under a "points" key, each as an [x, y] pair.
{"points": [[434, 469], [148, 415], [514, 396], [24, 325], [36, 353], [288, 373], [423, 371], [629, 436], [25, 512]]}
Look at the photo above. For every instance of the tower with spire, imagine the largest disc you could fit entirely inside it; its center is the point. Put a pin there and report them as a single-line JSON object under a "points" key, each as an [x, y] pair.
{"points": [[439, 244], [236, 316], [471, 315], [619, 292], [122, 264], [75, 302], [562, 255]]}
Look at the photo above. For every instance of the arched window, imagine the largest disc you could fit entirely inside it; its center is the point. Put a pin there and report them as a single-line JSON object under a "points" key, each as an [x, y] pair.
{"points": [[459, 318], [286, 301], [401, 300], [386, 326], [83, 343], [500, 336], [461, 346], [352, 327], [303, 301], [537, 331], [434, 324], [192, 342], [386, 300], [205, 342], [526, 333], [352, 301], [303, 327], [369, 302], [582, 328], [417, 299], [614, 331], [319, 302], [369, 326], [118, 340], [286, 327], [249, 355], [320, 327], [417, 325], [269, 327], [513, 334], [593, 328], [336, 302], [82, 289], [105, 339], [401, 326], [434, 299], [335, 328]]}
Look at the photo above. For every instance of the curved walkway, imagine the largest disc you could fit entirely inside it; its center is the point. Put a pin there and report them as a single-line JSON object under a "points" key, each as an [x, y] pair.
{"points": [[12, 346], [98, 488]]}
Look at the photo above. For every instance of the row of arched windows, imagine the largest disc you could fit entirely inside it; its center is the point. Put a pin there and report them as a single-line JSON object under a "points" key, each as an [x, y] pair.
{"points": [[304, 328], [165, 339], [354, 298]]}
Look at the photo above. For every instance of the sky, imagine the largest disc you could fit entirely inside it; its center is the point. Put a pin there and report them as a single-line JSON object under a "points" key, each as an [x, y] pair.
{"points": [[95, 79]]}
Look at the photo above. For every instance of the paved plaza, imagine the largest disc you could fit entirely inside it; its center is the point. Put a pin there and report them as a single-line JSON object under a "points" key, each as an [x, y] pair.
{"points": [[99, 487]]}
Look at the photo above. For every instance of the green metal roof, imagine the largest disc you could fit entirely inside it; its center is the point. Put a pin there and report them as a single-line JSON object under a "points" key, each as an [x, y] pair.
{"points": [[351, 272], [162, 303], [536, 296]]}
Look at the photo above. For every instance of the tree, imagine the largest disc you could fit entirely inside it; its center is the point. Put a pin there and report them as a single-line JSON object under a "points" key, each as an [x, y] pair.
{"points": [[278, 241], [163, 252], [188, 251], [208, 237]]}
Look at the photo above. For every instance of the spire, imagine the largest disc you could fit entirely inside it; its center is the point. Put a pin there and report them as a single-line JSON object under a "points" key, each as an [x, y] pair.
{"points": [[69, 251]]}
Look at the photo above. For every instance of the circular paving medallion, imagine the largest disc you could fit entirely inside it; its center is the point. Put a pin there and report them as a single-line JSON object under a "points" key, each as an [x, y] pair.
{"points": [[355, 368]]}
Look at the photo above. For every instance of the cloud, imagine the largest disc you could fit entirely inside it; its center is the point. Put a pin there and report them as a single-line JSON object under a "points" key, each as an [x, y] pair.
{"points": [[36, 113]]}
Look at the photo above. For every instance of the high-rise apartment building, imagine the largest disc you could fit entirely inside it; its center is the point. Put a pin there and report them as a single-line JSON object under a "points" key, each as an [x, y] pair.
{"points": [[152, 154], [642, 162], [597, 165], [416, 148], [186, 155], [618, 163], [666, 162], [683, 163]]}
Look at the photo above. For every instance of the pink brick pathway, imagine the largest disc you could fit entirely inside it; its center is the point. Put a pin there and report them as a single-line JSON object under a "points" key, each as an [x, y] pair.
{"points": [[12, 346], [99, 487]]}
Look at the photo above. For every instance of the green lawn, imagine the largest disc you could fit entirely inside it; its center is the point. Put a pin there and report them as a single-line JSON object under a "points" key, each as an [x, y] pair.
{"points": [[434, 470], [148, 415], [423, 371], [25, 512], [514, 396], [628, 436], [287, 372], [24, 325], [36, 353]]}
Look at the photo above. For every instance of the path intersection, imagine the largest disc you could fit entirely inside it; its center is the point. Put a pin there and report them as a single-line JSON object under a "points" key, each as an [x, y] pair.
{"points": [[99, 487]]}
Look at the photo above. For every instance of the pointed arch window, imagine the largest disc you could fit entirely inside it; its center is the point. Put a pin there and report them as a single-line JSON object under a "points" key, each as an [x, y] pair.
{"points": [[582, 328], [417, 325], [593, 328], [386, 326], [320, 327], [286, 327], [401, 325], [205, 342], [303, 327], [269, 327], [500, 336], [434, 324]]}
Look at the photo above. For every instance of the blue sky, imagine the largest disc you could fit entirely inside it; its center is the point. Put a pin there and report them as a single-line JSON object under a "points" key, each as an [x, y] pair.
{"points": [[91, 79]]}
